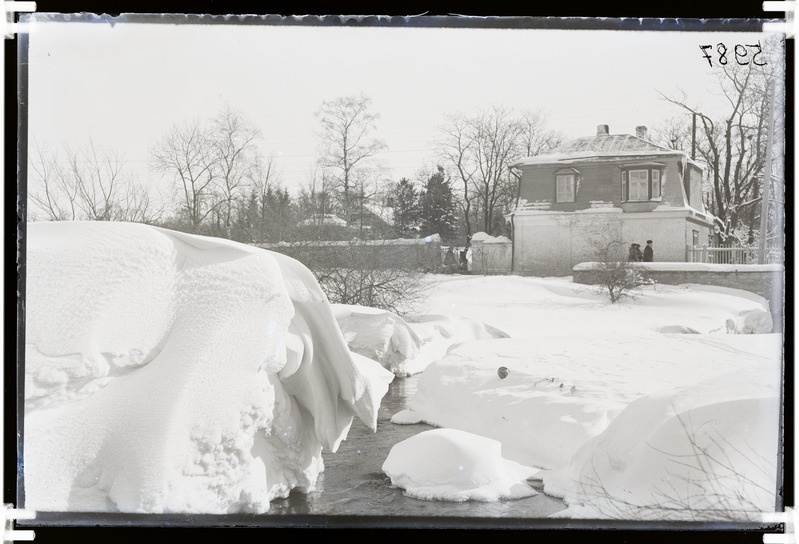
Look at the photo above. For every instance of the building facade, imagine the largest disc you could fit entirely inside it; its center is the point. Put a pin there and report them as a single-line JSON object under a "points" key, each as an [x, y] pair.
{"points": [[608, 190]]}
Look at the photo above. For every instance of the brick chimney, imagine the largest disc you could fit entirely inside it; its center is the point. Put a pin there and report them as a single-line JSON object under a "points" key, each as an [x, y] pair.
{"points": [[602, 130], [640, 132]]}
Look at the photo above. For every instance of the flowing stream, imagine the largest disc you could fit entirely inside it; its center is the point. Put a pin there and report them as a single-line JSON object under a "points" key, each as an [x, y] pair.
{"points": [[353, 483]]}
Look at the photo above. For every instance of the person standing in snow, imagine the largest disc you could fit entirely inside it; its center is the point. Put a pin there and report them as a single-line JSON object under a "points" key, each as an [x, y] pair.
{"points": [[635, 253], [648, 252]]}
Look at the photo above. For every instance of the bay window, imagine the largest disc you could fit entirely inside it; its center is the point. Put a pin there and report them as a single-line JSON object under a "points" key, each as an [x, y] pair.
{"points": [[641, 183]]}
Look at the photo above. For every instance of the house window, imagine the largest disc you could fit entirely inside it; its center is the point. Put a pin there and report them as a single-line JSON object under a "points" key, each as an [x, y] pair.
{"points": [[695, 237], [641, 184], [564, 188], [655, 183], [638, 181]]}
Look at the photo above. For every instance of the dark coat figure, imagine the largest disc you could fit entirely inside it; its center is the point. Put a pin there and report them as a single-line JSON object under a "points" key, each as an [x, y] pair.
{"points": [[635, 255], [648, 252], [450, 262]]}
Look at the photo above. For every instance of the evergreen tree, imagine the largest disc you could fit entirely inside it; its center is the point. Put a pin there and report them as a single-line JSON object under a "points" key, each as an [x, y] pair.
{"points": [[437, 206], [406, 208]]}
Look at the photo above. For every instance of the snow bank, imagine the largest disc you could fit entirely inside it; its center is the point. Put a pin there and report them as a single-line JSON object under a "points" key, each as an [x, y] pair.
{"points": [[451, 465], [536, 307], [406, 347], [167, 372], [561, 392], [701, 452]]}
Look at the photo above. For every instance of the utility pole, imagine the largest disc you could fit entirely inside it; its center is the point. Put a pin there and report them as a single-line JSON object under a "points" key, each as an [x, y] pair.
{"points": [[693, 138], [766, 192]]}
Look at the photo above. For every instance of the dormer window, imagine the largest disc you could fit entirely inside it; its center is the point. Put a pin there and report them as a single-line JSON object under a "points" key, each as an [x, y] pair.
{"points": [[566, 185], [641, 182]]}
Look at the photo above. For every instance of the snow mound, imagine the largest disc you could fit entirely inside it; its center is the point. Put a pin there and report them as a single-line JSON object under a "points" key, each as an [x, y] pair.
{"points": [[166, 372], [378, 335], [406, 346], [451, 465], [563, 391], [488, 239], [701, 452]]}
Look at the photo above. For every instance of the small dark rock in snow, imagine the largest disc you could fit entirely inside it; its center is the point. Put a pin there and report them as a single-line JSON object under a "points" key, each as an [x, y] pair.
{"points": [[503, 372]]}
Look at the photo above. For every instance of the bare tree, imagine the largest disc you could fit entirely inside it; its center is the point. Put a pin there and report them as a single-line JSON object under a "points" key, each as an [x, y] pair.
{"points": [[186, 153], [347, 142], [733, 145], [455, 150], [233, 150], [673, 133], [496, 146], [89, 185], [316, 198], [366, 274], [535, 137], [480, 150], [54, 196], [96, 178]]}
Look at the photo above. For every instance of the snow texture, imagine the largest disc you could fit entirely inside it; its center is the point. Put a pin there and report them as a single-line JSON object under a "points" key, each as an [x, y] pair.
{"points": [[700, 452], [451, 465], [406, 347], [167, 372], [645, 410]]}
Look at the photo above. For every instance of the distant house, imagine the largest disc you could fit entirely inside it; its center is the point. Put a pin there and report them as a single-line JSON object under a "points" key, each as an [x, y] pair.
{"points": [[609, 187]]}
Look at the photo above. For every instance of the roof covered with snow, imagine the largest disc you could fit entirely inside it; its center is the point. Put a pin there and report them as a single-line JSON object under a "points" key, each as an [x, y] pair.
{"points": [[603, 146]]}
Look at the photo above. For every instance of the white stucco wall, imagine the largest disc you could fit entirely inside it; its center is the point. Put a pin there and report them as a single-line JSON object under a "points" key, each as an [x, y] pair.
{"points": [[491, 258], [552, 243]]}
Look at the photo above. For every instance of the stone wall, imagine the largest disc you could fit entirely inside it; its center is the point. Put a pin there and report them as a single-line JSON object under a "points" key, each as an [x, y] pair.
{"points": [[417, 254], [768, 281]]}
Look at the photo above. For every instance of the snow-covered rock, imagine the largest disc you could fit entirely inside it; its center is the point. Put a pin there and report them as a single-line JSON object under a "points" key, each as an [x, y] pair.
{"points": [[167, 372], [451, 465]]}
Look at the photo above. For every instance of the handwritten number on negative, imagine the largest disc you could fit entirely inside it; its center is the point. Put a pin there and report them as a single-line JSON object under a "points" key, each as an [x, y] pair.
{"points": [[722, 49], [742, 56], [704, 49]]}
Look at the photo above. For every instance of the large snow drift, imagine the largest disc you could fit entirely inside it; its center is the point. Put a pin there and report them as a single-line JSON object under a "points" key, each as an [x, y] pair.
{"points": [[452, 465], [167, 372], [406, 346]]}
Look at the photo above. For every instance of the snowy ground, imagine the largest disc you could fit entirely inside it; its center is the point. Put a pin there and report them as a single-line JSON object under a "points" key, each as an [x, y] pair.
{"points": [[173, 373], [629, 419]]}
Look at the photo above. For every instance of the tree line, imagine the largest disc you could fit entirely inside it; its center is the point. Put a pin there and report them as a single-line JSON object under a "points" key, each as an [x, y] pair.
{"points": [[223, 185]]}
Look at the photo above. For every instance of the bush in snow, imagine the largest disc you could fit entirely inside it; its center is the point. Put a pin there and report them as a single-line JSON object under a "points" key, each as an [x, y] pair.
{"points": [[618, 278], [360, 275]]}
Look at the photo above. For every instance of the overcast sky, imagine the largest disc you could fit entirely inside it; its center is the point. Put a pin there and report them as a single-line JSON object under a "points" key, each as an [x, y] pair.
{"points": [[124, 85]]}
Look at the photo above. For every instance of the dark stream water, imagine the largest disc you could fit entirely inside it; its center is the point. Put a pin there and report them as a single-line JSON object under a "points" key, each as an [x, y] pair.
{"points": [[354, 484]]}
